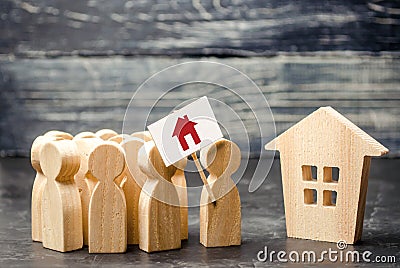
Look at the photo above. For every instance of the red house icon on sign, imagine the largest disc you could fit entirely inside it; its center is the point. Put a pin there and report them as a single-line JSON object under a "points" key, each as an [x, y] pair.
{"points": [[185, 127]]}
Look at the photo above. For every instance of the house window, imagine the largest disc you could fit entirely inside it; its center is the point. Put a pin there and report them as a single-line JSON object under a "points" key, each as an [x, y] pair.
{"points": [[309, 173], [329, 191], [331, 174], [310, 196], [329, 198]]}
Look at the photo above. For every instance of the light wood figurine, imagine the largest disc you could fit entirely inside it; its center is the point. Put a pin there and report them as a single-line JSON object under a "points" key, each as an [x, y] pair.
{"points": [[327, 204], [118, 139], [107, 208], [40, 180], [159, 213], [132, 182], [85, 143], [220, 221], [144, 135], [85, 135], [179, 180], [61, 205], [106, 134], [58, 134], [37, 188]]}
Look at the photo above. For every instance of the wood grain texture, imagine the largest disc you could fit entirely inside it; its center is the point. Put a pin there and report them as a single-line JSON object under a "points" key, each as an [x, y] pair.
{"points": [[106, 134], [85, 144], [107, 208], [325, 139], [179, 180], [84, 135], [40, 181], [117, 138], [59, 134], [37, 190], [159, 212], [143, 135], [61, 205], [79, 94], [132, 181], [196, 28], [111, 135], [220, 221], [139, 138]]}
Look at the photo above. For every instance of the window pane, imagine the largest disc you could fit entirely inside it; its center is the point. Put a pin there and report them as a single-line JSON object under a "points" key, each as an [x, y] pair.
{"points": [[331, 174], [329, 198], [310, 196], [309, 173]]}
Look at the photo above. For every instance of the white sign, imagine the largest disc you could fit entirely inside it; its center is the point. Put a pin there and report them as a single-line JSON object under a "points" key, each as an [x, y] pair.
{"points": [[185, 131]]}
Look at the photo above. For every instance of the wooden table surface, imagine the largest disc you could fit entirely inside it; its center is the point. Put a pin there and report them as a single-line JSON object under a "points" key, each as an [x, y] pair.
{"points": [[263, 224]]}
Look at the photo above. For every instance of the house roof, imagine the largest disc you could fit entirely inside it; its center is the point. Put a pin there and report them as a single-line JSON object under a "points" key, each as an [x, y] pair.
{"points": [[181, 123], [374, 147]]}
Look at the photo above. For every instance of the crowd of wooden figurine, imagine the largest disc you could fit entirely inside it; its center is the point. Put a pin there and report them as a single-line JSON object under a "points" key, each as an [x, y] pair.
{"points": [[107, 191]]}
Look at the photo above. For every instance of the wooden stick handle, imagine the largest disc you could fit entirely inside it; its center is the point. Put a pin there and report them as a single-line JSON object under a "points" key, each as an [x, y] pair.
{"points": [[203, 176]]}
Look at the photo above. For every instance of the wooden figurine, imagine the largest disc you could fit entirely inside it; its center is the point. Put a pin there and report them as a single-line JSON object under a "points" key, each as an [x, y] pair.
{"points": [[328, 205], [220, 221], [85, 135], [132, 182], [61, 205], [40, 181], [179, 180], [132, 156], [129, 183], [37, 190], [107, 208], [159, 213], [106, 134], [132, 151], [58, 134], [118, 139], [144, 135], [85, 143]]}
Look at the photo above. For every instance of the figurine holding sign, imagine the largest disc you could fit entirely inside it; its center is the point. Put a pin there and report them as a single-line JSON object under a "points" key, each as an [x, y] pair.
{"points": [[186, 131]]}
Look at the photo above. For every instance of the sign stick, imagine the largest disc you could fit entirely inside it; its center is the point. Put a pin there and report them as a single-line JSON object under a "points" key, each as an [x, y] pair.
{"points": [[203, 176]]}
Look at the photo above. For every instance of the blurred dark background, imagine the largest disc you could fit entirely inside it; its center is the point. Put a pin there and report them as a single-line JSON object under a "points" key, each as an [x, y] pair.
{"points": [[73, 65]]}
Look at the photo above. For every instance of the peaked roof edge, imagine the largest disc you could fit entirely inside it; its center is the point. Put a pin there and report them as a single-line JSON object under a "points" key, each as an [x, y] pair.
{"points": [[376, 148], [181, 122]]}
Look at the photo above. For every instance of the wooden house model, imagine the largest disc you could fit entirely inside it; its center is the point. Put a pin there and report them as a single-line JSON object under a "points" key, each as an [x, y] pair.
{"points": [[325, 162]]}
